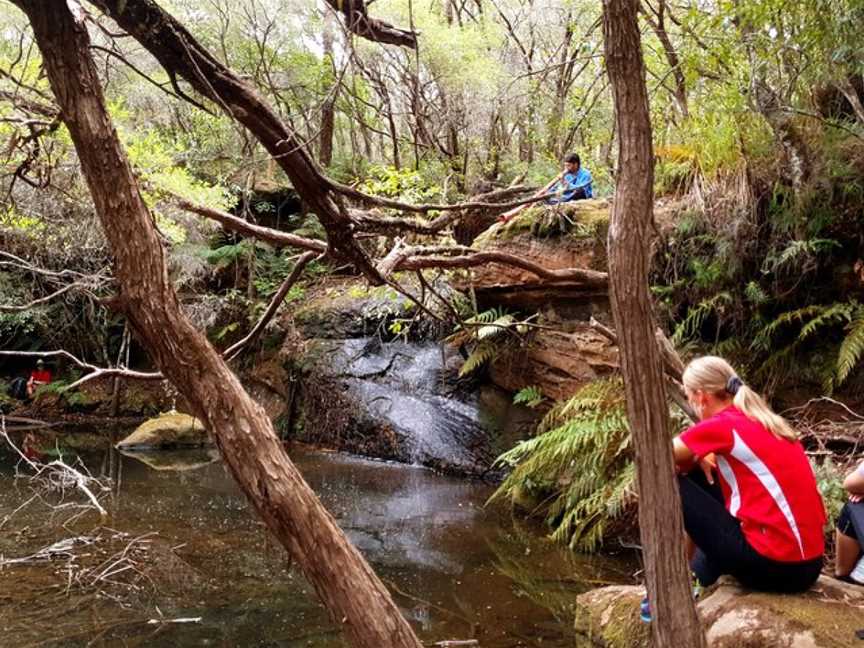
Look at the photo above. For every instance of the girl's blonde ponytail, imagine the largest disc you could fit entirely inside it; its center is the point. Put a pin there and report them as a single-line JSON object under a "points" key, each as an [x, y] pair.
{"points": [[754, 406], [716, 376]]}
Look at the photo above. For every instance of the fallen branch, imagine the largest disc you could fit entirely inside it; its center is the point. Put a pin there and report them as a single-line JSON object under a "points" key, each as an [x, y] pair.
{"points": [[471, 259], [235, 224], [231, 352], [57, 475], [409, 258], [96, 372], [673, 367], [389, 203]]}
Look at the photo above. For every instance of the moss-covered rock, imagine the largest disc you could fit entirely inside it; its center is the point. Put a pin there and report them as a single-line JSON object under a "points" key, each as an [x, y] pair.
{"points": [[572, 235], [351, 309], [169, 430], [827, 616], [581, 219]]}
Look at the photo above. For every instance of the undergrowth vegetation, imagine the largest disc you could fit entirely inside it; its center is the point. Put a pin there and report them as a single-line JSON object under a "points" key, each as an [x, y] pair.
{"points": [[777, 284], [577, 472]]}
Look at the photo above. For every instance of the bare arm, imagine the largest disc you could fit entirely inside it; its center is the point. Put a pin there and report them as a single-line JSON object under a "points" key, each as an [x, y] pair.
{"points": [[682, 454], [685, 459], [854, 482]]}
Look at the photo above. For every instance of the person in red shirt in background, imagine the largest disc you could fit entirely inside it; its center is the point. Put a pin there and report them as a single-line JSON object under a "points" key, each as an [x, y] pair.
{"points": [[753, 510], [39, 376]]}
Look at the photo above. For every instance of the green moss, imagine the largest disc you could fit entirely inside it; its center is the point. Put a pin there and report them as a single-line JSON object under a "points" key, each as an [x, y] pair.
{"points": [[613, 621], [580, 219]]}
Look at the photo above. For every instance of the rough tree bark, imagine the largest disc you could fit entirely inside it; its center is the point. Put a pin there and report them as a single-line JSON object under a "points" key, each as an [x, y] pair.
{"points": [[660, 520], [344, 581]]}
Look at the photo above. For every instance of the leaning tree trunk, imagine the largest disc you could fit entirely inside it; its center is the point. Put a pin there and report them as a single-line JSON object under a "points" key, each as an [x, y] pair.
{"points": [[354, 595], [660, 520]]}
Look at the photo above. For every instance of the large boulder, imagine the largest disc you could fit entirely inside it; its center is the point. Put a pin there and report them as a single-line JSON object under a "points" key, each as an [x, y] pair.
{"points": [[557, 362], [827, 616], [571, 235], [350, 308], [171, 430]]}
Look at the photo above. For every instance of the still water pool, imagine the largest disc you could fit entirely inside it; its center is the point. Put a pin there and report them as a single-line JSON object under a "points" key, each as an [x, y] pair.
{"points": [[188, 546]]}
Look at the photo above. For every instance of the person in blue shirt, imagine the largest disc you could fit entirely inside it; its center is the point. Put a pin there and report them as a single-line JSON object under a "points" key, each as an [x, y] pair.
{"points": [[574, 184]]}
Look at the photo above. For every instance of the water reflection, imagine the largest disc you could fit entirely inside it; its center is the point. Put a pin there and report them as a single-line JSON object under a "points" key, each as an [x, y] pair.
{"points": [[457, 570]]}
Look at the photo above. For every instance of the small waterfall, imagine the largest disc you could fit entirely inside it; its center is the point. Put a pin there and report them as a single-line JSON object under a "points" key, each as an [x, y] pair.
{"points": [[409, 388]]}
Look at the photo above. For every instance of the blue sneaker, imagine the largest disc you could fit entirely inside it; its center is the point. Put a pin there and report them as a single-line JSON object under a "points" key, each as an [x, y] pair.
{"points": [[645, 611], [645, 606]]}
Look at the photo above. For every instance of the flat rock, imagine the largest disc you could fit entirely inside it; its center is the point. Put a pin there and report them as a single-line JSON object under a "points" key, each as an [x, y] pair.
{"points": [[171, 430], [827, 616]]}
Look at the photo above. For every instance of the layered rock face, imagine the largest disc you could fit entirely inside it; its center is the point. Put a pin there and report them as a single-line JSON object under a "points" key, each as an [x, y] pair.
{"points": [[566, 352], [571, 235]]}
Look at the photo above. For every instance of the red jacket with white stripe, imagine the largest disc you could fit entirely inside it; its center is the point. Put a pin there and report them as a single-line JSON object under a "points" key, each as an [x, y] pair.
{"points": [[767, 483]]}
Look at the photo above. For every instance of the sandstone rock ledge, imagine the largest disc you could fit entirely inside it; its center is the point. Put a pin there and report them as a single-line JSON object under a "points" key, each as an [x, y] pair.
{"points": [[827, 616]]}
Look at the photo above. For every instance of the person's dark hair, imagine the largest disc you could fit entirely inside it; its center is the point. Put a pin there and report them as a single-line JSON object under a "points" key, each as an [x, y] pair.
{"points": [[573, 158]]}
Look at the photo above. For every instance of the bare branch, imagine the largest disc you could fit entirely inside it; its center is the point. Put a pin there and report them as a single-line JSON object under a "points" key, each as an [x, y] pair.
{"points": [[236, 224], [469, 258], [231, 352], [96, 372], [9, 308], [358, 21], [378, 201]]}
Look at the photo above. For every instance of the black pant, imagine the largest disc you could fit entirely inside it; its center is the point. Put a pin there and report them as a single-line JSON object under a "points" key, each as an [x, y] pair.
{"points": [[723, 549], [844, 522]]}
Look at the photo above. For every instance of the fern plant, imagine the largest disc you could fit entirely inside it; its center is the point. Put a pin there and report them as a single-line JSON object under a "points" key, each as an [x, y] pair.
{"points": [[810, 320], [531, 396], [579, 465], [485, 332], [690, 326]]}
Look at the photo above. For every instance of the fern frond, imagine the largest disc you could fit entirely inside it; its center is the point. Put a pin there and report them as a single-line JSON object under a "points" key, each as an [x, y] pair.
{"points": [[696, 316], [580, 462], [852, 347], [482, 353], [497, 327], [765, 338]]}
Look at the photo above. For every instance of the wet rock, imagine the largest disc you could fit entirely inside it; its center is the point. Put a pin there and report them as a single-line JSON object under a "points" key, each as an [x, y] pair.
{"points": [[169, 430], [393, 401], [556, 362], [826, 616]]}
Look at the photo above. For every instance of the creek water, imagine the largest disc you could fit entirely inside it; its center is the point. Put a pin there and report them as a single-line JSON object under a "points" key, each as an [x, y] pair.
{"points": [[457, 569]]}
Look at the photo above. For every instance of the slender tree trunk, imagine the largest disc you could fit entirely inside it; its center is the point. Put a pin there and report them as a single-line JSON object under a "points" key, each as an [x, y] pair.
{"points": [[658, 25], [354, 595], [660, 519], [328, 110], [846, 87]]}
